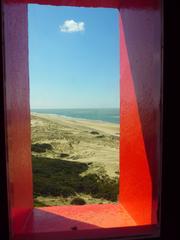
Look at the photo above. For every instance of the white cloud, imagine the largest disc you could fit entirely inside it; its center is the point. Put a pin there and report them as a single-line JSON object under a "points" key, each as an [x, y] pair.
{"points": [[72, 26]]}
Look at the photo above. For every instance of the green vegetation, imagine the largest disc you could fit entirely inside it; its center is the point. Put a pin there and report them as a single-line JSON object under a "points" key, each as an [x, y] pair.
{"points": [[78, 201], [73, 164], [57, 177], [41, 147], [94, 132]]}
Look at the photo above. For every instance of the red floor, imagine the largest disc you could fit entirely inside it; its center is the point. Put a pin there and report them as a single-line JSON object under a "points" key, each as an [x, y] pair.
{"points": [[76, 222]]}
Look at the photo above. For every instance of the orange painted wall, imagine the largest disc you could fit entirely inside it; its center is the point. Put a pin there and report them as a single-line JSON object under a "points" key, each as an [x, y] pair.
{"points": [[140, 92]]}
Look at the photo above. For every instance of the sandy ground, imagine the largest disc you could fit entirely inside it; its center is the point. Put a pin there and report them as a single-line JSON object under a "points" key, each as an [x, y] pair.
{"points": [[93, 142]]}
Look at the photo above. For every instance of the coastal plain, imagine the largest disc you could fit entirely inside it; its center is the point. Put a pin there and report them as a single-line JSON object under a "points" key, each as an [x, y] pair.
{"points": [[74, 159]]}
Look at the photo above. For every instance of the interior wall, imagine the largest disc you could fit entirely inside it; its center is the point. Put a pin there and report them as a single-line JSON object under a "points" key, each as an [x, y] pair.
{"points": [[140, 110], [140, 57], [76, 3], [17, 113]]}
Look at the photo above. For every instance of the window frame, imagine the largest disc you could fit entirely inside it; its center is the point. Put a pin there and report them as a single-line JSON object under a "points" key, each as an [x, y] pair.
{"points": [[4, 147]]}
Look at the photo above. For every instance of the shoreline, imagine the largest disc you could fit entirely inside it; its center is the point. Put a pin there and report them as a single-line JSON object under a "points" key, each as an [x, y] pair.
{"points": [[111, 115], [99, 125], [73, 118], [83, 141], [68, 154]]}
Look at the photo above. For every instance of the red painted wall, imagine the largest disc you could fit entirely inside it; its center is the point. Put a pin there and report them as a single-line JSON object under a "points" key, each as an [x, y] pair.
{"points": [[76, 3], [140, 57], [17, 113], [140, 92]]}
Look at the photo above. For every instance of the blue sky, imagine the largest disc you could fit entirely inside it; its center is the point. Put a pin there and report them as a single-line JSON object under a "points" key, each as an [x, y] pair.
{"points": [[73, 57]]}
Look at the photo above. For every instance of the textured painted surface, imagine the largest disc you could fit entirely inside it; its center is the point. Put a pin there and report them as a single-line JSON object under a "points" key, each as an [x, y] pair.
{"points": [[95, 3], [88, 216], [140, 45], [140, 128], [17, 114], [77, 221], [76, 3]]}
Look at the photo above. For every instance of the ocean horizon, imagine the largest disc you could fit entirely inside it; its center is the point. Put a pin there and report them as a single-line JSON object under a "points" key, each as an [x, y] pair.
{"points": [[100, 114]]}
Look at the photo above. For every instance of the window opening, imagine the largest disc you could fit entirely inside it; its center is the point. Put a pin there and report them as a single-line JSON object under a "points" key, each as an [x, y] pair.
{"points": [[74, 95]]}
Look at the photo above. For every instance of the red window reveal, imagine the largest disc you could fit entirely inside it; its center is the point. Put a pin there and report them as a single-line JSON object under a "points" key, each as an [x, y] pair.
{"points": [[140, 114]]}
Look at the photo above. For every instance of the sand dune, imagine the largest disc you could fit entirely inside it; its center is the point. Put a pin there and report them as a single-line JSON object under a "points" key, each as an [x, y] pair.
{"points": [[93, 142]]}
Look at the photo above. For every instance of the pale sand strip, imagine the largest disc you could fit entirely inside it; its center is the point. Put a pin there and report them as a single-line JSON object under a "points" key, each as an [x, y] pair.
{"points": [[75, 137], [104, 127]]}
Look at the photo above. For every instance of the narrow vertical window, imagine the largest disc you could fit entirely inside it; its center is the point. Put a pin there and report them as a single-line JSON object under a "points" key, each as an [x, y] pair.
{"points": [[74, 95]]}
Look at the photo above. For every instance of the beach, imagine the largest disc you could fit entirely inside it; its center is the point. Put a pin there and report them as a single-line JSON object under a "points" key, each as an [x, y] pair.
{"points": [[76, 141]]}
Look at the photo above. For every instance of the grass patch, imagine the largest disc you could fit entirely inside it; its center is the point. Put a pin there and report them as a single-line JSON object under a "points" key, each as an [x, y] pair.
{"points": [[41, 147], [57, 177], [78, 201], [38, 203], [94, 132]]}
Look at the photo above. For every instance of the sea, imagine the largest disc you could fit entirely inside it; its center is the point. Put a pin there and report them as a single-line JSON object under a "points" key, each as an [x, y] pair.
{"points": [[100, 114]]}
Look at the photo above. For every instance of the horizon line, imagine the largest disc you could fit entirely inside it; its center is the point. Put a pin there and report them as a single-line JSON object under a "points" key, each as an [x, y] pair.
{"points": [[74, 108]]}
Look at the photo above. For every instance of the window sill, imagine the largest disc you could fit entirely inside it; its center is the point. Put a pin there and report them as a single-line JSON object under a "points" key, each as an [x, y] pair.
{"points": [[77, 222]]}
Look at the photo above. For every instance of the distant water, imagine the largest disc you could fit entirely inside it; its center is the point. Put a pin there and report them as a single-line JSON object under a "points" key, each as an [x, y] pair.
{"points": [[102, 114]]}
